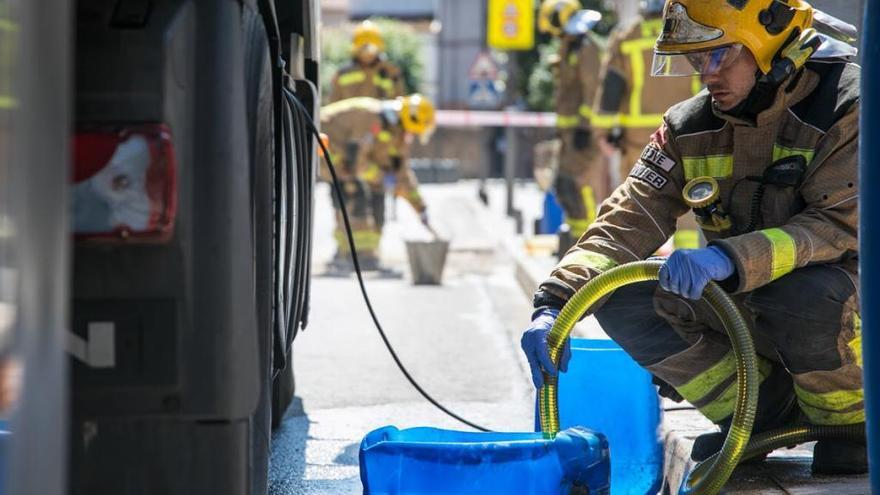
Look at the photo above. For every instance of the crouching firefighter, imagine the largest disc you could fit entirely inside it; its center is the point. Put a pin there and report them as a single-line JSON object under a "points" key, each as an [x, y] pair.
{"points": [[767, 159], [368, 142]]}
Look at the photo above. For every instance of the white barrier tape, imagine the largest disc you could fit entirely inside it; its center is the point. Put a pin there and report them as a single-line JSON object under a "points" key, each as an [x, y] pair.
{"points": [[466, 118]]}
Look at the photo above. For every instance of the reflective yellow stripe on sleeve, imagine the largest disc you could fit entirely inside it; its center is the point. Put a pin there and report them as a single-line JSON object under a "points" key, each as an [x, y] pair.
{"points": [[567, 121], [783, 250], [590, 259], [386, 84], [352, 78], [719, 166], [686, 239], [384, 137]]}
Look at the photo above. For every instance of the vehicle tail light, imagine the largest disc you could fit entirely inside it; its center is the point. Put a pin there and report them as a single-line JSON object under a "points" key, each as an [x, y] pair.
{"points": [[124, 184]]}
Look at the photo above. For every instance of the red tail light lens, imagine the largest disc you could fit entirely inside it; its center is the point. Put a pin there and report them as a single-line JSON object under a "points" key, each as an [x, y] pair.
{"points": [[124, 184]]}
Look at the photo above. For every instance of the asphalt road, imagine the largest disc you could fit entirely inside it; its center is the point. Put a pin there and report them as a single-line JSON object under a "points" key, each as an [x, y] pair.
{"points": [[459, 340]]}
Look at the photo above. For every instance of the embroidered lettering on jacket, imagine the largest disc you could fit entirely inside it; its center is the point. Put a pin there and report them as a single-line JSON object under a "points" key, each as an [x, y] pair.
{"points": [[645, 174], [657, 158]]}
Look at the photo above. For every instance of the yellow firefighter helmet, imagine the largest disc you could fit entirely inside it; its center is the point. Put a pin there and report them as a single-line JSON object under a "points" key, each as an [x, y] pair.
{"points": [[555, 14], [701, 36], [417, 114], [367, 36]]}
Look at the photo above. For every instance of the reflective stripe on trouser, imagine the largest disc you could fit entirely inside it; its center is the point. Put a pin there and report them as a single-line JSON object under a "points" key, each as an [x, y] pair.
{"points": [[581, 182], [683, 343], [811, 314], [366, 242], [808, 319], [358, 201]]}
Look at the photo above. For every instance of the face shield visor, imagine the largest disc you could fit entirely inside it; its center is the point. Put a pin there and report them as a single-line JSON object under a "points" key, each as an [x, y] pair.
{"points": [[704, 63]]}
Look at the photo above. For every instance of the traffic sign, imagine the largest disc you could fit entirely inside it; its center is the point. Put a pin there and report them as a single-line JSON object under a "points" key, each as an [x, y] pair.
{"points": [[484, 67], [511, 24], [483, 93]]}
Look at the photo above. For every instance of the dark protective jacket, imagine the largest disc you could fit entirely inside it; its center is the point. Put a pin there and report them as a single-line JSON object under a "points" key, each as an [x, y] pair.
{"points": [[628, 96], [815, 115], [381, 79], [577, 80]]}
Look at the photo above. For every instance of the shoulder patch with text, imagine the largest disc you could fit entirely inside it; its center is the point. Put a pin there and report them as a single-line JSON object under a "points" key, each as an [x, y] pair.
{"points": [[645, 174], [656, 157]]}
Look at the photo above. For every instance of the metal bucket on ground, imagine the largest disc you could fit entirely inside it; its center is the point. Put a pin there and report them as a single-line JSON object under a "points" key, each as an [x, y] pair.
{"points": [[426, 260]]}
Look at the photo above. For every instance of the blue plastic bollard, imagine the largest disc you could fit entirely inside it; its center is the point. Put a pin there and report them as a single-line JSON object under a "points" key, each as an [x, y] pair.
{"points": [[868, 237], [424, 461], [553, 215], [605, 390]]}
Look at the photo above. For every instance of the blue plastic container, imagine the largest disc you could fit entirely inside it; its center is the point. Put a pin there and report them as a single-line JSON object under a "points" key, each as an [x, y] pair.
{"points": [[431, 461], [553, 215], [605, 390]]}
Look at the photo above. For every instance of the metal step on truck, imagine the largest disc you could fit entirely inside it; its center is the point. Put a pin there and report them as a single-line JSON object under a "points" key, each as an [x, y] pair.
{"points": [[156, 184]]}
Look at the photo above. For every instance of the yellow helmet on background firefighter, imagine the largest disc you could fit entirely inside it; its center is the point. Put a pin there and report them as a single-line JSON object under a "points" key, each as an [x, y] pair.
{"points": [[367, 37], [417, 114], [555, 14], [703, 35]]}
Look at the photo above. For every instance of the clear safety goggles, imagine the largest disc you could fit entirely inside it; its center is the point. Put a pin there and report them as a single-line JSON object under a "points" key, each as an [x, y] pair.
{"points": [[706, 62]]}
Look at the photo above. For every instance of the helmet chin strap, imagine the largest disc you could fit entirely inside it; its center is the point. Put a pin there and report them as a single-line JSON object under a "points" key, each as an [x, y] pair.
{"points": [[789, 61], [760, 98]]}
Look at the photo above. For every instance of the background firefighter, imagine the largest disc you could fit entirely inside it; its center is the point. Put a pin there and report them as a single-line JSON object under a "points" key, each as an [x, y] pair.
{"points": [[368, 139], [369, 73], [768, 159], [629, 105], [581, 180]]}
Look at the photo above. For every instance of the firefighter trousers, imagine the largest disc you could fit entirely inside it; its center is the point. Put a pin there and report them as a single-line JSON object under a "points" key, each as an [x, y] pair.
{"points": [[366, 211], [807, 332], [582, 180]]}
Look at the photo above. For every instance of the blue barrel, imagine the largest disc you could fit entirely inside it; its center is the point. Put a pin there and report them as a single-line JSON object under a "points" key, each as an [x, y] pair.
{"points": [[605, 390], [553, 215], [424, 461]]}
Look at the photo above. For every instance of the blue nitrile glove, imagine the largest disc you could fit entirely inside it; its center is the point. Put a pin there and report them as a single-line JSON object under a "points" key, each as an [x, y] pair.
{"points": [[687, 271], [534, 344]]}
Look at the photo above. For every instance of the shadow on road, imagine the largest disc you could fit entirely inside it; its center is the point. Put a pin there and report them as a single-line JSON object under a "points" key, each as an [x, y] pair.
{"points": [[287, 464]]}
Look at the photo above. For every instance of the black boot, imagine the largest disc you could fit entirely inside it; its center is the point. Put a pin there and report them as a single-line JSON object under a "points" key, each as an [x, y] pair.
{"points": [[840, 457]]}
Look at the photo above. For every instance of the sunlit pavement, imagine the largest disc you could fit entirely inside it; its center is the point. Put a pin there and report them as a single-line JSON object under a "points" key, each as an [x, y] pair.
{"points": [[460, 341]]}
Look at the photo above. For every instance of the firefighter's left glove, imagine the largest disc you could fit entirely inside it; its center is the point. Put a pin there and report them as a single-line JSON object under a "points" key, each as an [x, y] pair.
{"points": [[582, 138], [534, 344], [687, 271]]}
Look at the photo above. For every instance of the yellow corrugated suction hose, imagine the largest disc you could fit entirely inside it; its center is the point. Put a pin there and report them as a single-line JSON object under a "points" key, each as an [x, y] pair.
{"points": [[712, 479], [709, 477]]}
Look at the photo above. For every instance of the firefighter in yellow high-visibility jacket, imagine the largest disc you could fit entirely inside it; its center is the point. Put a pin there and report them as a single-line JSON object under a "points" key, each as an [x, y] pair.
{"points": [[369, 73], [581, 181], [629, 105]]}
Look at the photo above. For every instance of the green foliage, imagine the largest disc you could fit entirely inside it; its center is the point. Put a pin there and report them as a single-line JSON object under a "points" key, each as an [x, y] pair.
{"points": [[539, 95], [404, 47], [535, 79]]}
